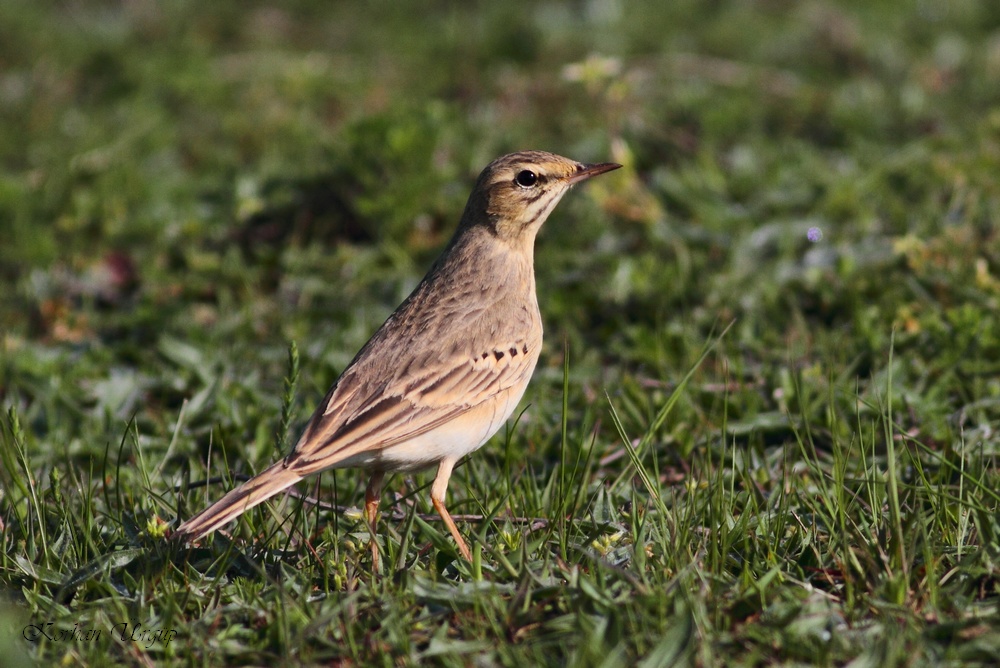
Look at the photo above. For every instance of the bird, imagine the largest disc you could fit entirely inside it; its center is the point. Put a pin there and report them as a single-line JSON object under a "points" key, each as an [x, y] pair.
{"points": [[447, 368]]}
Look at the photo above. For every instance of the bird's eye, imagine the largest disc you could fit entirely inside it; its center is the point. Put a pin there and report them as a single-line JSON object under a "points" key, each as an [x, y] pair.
{"points": [[526, 178]]}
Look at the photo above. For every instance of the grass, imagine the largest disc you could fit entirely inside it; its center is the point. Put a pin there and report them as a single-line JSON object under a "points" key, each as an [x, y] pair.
{"points": [[763, 430]]}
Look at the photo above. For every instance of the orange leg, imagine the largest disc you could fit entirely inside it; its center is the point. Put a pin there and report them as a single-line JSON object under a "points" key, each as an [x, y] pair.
{"points": [[372, 494], [438, 490]]}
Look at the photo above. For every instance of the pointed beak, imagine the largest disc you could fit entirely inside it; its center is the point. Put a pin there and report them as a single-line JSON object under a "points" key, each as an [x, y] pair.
{"points": [[584, 172]]}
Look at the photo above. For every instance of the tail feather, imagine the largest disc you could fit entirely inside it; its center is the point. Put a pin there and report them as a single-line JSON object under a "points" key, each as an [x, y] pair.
{"points": [[273, 480]]}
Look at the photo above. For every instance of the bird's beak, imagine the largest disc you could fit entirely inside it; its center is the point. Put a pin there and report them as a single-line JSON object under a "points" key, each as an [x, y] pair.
{"points": [[584, 172]]}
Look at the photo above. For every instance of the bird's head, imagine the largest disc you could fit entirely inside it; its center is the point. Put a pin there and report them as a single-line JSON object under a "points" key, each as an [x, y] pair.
{"points": [[515, 194]]}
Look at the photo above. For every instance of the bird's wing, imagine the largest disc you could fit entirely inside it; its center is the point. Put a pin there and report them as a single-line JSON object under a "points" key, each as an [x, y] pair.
{"points": [[362, 414]]}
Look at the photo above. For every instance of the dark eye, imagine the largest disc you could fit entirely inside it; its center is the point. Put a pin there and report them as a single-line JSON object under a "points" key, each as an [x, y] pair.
{"points": [[526, 178]]}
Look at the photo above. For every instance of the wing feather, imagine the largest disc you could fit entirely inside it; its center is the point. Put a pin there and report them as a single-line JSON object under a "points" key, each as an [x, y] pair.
{"points": [[453, 387]]}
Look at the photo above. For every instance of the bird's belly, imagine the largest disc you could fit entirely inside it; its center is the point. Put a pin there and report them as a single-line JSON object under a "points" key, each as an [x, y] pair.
{"points": [[451, 440]]}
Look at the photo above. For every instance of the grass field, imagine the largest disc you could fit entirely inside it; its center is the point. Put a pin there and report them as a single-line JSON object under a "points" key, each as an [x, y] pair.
{"points": [[765, 425]]}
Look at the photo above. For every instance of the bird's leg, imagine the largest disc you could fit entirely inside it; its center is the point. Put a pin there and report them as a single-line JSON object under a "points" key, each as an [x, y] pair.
{"points": [[438, 490], [373, 493]]}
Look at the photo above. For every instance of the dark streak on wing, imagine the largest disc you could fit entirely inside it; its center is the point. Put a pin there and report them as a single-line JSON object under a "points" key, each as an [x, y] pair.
{"points": [[369, 417], [427, 384]]}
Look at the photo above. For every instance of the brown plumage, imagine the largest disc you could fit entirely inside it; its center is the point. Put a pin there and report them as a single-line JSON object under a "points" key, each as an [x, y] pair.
{"points": [[449, 366]]}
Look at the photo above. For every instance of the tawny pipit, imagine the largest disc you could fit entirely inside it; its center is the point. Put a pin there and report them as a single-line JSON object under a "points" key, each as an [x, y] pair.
{"points": [[445, 371]]}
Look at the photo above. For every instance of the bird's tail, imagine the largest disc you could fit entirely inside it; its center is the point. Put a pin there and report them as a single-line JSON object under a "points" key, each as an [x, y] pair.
{"points": [[273, 480]]}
